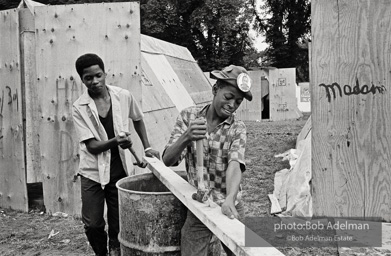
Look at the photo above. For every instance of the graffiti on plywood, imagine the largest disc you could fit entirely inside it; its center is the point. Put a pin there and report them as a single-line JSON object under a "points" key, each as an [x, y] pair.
{"points": [[335, 89], [282, 107], [281, 81], [305, 94], [8, 97]]}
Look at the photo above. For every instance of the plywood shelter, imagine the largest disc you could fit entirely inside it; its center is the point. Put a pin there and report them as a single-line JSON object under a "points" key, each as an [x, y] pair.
{"points": [[303, 96], [172, 81], [38, 142], [274, 95], [253, 110], [351, 108]]}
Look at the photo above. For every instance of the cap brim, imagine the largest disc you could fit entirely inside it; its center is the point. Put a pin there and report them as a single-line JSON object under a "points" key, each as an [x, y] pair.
{"points": [[216, 74]]}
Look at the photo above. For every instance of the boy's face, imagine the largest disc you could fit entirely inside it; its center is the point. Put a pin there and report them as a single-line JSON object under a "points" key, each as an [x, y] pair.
{"points": [[226, 100], [94, 78]]}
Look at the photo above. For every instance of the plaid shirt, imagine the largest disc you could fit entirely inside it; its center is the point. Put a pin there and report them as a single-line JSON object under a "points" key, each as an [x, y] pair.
{"points": [[224, 144]]}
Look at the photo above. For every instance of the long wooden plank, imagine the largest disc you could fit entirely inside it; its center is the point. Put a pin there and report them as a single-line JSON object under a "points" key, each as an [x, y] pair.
{"points": [[230, 232]]}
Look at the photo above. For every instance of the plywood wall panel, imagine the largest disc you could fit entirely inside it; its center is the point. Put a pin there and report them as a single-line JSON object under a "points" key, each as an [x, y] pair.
{"points": [[153, 45], [303, 97], [252, 110], [282, 94], [160, 124], [154, 95], [193, 79], [169, 80], [351, 108], [13, 190], [63, 33]]}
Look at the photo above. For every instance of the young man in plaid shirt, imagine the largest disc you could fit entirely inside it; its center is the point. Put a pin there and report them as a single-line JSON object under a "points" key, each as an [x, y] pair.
{"points": [[224, 141]]}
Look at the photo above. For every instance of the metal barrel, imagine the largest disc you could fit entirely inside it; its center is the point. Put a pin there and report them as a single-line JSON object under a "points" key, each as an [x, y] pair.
{"points": [[151, 217]]}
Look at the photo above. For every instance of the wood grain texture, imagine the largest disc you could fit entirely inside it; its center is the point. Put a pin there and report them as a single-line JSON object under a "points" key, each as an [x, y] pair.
{"points": [[351, 145], [13, 190], [230, 232], [27, 42]]}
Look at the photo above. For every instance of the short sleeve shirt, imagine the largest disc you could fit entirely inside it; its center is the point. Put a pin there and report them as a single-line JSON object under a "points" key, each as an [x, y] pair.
{"points": [[224, 144], [87, 126]]}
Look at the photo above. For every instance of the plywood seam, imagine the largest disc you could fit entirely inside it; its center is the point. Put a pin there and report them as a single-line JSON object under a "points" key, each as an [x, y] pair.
{"points": [[164, 54]]}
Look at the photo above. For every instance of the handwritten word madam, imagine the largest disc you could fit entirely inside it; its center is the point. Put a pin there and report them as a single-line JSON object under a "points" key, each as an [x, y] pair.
{"points": [[348, 90]]}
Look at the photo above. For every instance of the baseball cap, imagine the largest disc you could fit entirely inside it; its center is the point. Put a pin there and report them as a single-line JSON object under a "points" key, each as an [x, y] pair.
{"points": [[236, 76]]}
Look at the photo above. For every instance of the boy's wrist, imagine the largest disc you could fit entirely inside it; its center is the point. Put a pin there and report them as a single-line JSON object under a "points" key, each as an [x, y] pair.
{"points": [[231, 197]]}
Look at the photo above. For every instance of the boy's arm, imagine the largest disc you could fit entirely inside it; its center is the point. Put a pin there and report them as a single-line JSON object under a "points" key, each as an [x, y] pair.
{"points": [[195, 131], [172, 154], [95, 146], [234, 170], [233, 179], [87, 136], [139, 126]]}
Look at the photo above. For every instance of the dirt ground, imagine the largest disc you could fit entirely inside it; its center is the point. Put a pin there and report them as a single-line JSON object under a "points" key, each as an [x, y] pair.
{"points": [[37, 233]]}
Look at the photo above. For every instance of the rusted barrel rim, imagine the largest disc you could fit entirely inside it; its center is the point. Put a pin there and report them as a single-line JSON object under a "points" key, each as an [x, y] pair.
{"points": [[136, 178], [149, 249]]}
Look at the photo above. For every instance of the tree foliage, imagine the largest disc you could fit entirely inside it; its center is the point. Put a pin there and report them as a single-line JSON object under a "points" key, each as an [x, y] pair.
{"points": [[286, 28], [214, 31]]}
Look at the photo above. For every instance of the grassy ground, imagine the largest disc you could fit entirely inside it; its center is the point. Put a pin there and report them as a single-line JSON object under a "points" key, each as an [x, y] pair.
{"points": [[28, 233], [265, 140]]}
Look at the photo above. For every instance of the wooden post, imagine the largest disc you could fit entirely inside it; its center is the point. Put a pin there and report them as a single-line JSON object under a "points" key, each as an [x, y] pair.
{"points": [[30, 96], [351, 108]]}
